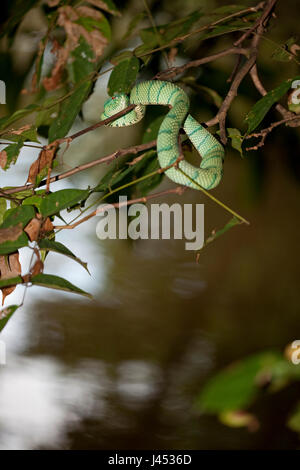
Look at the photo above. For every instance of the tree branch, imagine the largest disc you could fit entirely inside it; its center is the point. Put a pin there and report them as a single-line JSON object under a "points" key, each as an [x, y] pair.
{"points": [[107, 159], [264, 132]]}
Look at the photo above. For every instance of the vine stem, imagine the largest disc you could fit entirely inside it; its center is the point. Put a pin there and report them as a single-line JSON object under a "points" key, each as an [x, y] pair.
{"points": [[213, 198]]}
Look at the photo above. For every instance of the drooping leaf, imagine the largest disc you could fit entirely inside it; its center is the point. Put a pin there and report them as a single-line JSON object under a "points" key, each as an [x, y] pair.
{"points": [[282, 52], [260, 109], [133, 24], [9, 155], [227, 10], [215, 234], [12, 236], [35, 200], [235, 388], [13, 281], [91, 24], [124, 55], [80, 68], [55, 202], [151, 132], [6, 314], [149, 164], [215, 97], [20, 113], [21, 214], [123, 76], [58, 283], [39, 168], [113, 177], [236, 139], [25, 133], [57, 247], [231, 27], [166, 32], [9, 267]]}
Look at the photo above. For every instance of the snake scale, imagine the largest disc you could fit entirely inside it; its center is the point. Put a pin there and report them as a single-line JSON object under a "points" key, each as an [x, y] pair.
{"points": [[209, 174]]}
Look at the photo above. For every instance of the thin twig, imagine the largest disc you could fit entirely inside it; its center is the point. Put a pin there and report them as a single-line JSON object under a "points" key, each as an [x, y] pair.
{"points": [[178, 190], [214, 198], [107, 159], [173, 71], [241, 74], [264, 132]]}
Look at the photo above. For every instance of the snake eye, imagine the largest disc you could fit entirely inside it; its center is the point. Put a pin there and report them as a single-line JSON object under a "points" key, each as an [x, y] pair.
{"points": [[113, 97]]}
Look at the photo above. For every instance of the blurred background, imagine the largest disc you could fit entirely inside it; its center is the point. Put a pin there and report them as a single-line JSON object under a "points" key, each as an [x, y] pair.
{"points": [[124, 370]]}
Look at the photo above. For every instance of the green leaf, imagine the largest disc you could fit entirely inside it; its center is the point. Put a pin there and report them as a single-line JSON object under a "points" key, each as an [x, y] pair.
{"points": [[57, 247], [236, 25], [192, 82], [171, 30], [149, 164], [10, 154], [232, 222], [21, 214], [49, 113], [11, 218], [91, 24], [227, 10], [235, 388], [152, 130], [281, 53], [20, 113], [58, 283], [6, 314], [35, 200], [167, 32], [133, 24], [116, 59], [12, 151], [81, 67], [12, 281], [260, 109], [25, 136], [107, 5], [236, 139], [123, 76], [55, 202], [112, 177]]}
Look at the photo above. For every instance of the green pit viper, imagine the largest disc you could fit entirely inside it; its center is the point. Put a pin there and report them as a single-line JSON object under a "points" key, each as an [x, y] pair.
{"points": [[209, 174]]}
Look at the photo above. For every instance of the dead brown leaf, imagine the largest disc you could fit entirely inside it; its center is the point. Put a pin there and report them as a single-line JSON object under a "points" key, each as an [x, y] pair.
{"points": [[67, 17], [33, 229], [10, 233], [9, 267], [44, 160], [3, 159], [20, 130], [103, 6], [46, 227]]}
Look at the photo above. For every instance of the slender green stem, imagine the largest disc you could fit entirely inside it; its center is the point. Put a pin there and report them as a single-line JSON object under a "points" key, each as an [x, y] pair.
{"points": [[214, 198]]}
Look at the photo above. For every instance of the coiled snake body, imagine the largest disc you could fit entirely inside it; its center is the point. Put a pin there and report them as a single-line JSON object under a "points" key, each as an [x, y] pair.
{"points": [[209, 174]]}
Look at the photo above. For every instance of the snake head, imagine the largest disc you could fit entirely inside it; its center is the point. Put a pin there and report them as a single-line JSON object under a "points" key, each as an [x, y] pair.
{"points": [[114, 105]]}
